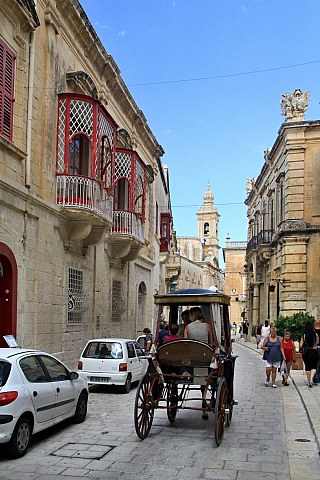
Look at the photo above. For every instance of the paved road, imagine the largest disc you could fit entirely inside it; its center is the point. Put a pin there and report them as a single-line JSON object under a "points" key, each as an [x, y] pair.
{"points": [[260, 443]]}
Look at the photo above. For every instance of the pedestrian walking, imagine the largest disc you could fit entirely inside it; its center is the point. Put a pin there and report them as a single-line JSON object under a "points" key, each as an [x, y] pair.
{"points": [[265, 330], [148, 339], [309, 349], [316, 379], [258, 334], [290, 354], [245, 329], [273, 355]]}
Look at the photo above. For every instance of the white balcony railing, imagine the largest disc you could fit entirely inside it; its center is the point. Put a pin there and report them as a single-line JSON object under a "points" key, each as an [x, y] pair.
{"points": [[127, 223], [83, 193]]}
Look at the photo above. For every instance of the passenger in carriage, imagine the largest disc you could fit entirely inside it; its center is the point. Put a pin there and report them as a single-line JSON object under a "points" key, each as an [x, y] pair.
{"points": [[185, 315], [198, 329], [173, 329]]}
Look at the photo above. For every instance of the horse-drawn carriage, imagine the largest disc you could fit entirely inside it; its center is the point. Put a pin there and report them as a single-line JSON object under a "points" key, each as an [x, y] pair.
{"points": [[180, 367]]}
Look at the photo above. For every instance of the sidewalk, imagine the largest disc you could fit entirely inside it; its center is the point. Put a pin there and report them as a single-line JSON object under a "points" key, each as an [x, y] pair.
{"points": [[310, 398]]}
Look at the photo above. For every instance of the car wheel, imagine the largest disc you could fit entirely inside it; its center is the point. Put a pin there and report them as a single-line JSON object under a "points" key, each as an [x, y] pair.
{"points": [[127, 386], [81, 410], [20, 439]]}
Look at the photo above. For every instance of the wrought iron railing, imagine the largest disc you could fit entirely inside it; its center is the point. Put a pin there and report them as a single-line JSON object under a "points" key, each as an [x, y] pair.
{"points": [[127, 223], [265, 236], [84, 193]]}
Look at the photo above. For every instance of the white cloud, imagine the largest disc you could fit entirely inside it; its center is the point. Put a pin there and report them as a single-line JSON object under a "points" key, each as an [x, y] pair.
{"points": [[122, 33], [153, 30], [243, 8], [169, 131]]}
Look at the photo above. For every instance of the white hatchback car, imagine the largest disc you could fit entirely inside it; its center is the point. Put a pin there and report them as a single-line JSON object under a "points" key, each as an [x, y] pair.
{"points": [[113, 361], [36, 392]]}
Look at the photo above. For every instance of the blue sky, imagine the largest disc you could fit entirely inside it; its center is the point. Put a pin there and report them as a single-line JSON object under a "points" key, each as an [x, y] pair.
{"points": [[214, 129]]}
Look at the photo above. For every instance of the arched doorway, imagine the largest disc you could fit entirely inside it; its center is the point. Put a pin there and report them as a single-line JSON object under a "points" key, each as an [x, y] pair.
{"points": [[142, 293], [8, 293]]}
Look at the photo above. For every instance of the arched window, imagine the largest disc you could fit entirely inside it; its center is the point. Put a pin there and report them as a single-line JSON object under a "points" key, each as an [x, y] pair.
{"points": [[122, 195], [79, 160], [206, 229]]}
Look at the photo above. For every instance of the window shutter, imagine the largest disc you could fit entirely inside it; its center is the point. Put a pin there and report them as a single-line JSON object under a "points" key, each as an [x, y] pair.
{"points": [[7, 60]]}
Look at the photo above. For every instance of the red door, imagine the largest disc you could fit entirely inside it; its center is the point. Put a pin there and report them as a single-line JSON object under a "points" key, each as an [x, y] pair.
{"points": [[8, 293]]}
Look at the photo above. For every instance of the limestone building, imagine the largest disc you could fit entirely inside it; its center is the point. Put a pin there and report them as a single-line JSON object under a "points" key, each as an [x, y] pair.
{"points": [[200, 255], [234, 256], [282, 257], [85, 214]]}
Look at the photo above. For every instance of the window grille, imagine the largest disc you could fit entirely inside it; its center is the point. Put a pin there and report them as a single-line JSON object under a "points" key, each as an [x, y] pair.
{"points": [[150, 212], [123, 165], [7, 67], [116, 300], [61, 134], [77, 302], [1, 270]]}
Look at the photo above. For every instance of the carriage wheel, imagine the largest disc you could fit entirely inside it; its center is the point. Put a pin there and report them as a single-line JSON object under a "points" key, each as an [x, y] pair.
{"points": [[229, 415], [143, 408], [172, 401], [219, 411]]}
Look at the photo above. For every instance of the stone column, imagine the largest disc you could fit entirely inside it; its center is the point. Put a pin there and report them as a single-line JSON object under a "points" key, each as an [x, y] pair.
{"points": [[256, 304]]}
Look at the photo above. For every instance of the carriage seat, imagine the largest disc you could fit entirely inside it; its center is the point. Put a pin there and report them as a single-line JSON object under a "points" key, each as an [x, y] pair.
{"points": [[185, 352]]}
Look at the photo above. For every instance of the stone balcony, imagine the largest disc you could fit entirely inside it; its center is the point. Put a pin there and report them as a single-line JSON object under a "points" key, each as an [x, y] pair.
{"points": [[86, 208], [173, 268], [126, 237]]}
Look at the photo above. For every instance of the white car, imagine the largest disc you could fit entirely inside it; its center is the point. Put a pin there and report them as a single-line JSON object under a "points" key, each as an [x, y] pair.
{"points": [[113, 361], [36, 392]]}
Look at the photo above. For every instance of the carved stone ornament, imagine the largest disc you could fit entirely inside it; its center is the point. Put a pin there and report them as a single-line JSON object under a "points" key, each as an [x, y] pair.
{"points": [[293, 224], [293, 105], [266, 155], [265, 256]]}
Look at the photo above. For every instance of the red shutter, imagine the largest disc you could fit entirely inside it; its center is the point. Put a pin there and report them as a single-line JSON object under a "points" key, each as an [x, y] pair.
{"points": [[7, 59]]}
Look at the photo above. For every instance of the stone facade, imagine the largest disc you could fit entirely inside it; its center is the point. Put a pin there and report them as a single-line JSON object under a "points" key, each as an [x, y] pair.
{"points": [[202, 252], [234, 255], [283, 268], [85, 212]]}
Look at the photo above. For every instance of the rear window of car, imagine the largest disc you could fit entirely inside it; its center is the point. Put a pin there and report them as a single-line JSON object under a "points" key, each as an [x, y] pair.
{"points": [[5, 368], [112, 350]]}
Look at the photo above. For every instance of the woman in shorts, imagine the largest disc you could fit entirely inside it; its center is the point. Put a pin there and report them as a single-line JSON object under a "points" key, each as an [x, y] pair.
{"points": [[273, 355]]}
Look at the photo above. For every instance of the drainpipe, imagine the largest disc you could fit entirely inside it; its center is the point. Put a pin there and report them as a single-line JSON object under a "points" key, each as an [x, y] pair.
{"points": [[30, 101]]}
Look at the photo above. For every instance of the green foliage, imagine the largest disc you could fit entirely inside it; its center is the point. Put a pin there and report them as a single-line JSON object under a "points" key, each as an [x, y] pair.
{"points": [[253, 330], [295, 324]]}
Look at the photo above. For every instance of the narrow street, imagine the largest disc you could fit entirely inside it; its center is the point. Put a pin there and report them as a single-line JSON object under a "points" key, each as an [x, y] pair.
{"points": [[260, 443]]}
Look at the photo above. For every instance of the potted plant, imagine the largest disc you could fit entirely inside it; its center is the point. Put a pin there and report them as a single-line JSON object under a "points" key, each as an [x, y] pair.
{"points": [[295, 324]]}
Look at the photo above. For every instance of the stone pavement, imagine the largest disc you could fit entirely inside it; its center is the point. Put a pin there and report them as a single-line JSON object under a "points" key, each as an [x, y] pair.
{"points": [[302, 416], [259, 444]]}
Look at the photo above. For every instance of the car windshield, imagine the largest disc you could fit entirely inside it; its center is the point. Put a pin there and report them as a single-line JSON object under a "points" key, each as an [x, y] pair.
{"points": [[5, 368], [103, 350]]}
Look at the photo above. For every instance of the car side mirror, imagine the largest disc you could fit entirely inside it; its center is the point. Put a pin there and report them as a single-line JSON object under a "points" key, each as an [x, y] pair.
{"points": [[74, 376]]}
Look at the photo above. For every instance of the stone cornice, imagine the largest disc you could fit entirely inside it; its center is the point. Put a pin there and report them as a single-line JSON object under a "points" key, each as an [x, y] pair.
{"points": [[5, 144]]}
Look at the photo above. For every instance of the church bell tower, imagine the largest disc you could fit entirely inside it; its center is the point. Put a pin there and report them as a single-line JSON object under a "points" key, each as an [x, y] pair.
{"points": [[208, 228]]}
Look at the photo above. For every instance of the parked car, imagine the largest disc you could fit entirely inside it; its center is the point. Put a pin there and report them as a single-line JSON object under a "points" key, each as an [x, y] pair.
{"points": [[36, 392], [112, 361]]}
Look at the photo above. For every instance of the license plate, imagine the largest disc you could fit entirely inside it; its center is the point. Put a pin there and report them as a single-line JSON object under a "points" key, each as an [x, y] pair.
{"points": [[99, 379]]}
